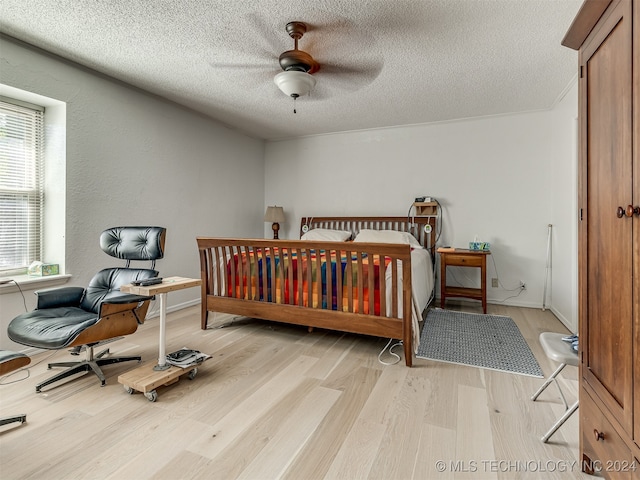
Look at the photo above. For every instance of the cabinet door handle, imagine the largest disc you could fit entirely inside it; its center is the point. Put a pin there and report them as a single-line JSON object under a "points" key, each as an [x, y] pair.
{"points": [[598, 435], [631, 210]]}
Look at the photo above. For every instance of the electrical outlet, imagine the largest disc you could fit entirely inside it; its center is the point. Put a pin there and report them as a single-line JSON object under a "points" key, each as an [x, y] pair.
{"points": [[494, 283], [523, 286]]}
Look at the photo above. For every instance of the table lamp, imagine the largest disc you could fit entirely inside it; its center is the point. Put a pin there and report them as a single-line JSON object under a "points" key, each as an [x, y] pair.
{"points": [[275, 215]]}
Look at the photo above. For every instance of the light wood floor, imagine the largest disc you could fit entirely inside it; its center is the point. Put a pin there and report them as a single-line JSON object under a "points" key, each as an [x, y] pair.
{"points": [[275, 401]]}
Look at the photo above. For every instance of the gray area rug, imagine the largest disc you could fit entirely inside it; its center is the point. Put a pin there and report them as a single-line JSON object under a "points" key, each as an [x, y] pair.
{"points": [[485, 341]]}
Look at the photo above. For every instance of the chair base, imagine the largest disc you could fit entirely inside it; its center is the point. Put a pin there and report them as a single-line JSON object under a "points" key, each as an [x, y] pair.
{"points": [[556, 349], [569, 410], [560, 422], [553, 379], [14, 418], [90, 364]]}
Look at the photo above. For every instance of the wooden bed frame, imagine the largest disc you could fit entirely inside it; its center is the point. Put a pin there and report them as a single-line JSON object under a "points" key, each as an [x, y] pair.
{"points": [[257, 302]]}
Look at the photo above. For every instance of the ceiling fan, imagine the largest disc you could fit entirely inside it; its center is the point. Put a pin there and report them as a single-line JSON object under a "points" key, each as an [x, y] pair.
{"points": [[298, 66], [343, 65]]}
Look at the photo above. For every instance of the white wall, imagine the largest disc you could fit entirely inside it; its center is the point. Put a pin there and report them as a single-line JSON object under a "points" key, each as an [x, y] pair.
{"points": [[492, 176], [563, 279], [135, 159]]}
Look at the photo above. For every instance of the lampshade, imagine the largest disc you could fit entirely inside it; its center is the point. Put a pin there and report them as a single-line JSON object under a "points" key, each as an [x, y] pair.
{"points": [[274, 214], [294, 83]]}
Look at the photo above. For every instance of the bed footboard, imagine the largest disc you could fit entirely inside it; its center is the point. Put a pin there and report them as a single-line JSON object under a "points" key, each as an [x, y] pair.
{"points": [[360, 288]]}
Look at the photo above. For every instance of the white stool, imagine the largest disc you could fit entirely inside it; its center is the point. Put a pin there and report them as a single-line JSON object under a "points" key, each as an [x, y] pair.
{"points": [[559, 351]]}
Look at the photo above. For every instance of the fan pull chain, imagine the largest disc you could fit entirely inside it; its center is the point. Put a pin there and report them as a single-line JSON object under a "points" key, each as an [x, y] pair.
{"points": [[294, 105]]}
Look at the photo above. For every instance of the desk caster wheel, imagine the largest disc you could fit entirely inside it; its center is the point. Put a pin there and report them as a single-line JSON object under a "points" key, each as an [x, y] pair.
{"points": [[129, 390], [192, 374], [152, 396]]}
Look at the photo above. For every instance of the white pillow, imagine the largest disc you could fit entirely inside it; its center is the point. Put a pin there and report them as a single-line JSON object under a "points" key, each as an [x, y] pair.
{"points": [[387, 236], [326, 234]]}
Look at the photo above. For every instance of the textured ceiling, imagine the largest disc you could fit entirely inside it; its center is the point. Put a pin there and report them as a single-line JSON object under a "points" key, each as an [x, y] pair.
{"points": [[382, 63]]}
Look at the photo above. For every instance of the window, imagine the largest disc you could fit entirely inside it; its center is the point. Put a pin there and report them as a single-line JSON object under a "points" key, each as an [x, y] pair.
{"points": [[21, 184]]}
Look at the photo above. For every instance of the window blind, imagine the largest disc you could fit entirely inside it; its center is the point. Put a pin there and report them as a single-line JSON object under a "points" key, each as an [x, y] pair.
{"points": [[21, 185]]}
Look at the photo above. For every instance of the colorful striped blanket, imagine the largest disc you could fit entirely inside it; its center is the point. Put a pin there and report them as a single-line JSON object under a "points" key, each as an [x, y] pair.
{"points": [[249, 284]]}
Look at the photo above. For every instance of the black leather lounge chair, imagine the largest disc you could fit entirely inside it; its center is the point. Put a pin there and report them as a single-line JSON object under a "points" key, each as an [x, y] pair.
{"points": [[77, 317]]}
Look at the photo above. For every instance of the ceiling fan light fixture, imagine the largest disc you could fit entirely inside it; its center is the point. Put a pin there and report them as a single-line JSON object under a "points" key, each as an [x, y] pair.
{"points": [[295, 84]]}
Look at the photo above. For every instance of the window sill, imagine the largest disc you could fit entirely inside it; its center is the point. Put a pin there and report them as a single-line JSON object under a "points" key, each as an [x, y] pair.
{"points": [[25, 282]]}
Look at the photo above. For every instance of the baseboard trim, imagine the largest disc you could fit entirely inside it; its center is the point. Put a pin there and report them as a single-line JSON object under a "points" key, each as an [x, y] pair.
{"points": [[564, 320], [436, 303]]}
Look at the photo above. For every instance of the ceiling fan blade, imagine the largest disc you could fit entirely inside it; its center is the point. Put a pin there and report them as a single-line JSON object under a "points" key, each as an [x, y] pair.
{"points": [[243, 66], [253, 42], [243, 76], [277, 42], [322, 91], [350, 77]]}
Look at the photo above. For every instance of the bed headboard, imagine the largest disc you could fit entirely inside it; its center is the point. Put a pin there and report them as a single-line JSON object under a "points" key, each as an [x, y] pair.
{"points": [[413, 225]]}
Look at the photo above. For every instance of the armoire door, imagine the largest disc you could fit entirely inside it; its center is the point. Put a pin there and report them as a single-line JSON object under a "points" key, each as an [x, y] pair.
{"points": [[606, 243], [636, 220]]}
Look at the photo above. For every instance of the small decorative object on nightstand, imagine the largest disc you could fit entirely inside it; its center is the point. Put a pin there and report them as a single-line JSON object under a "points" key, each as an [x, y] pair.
{"points": [[275, 215]]}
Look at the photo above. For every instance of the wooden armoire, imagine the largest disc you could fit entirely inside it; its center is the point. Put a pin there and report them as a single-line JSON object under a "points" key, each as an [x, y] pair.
{"points": [[606, 35]]}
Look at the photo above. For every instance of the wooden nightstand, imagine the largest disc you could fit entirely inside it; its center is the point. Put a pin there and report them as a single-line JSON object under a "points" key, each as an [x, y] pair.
{"points": [[463, 258]]}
